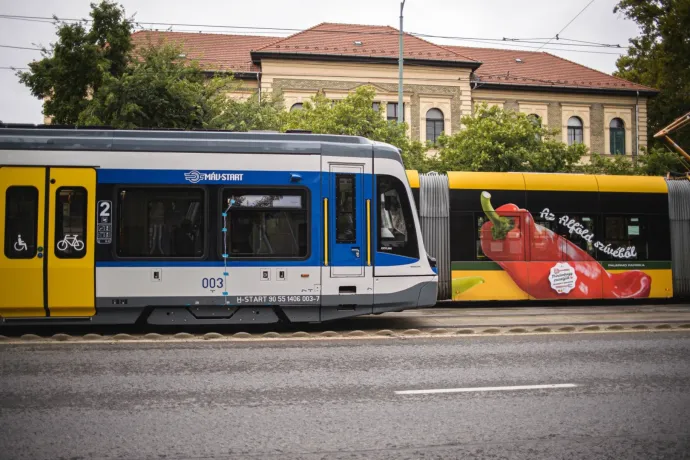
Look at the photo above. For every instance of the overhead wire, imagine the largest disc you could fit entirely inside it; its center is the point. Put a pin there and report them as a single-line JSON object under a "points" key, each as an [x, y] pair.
{"points": [[518, 46], [259, 29], [569, 22], [508, 42], [21, 47]]}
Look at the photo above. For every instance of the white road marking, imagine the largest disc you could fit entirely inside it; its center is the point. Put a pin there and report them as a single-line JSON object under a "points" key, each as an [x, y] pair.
{"points": [[477, 389]]}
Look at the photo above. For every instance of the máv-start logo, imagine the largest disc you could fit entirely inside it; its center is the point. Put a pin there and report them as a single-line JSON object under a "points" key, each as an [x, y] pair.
{"points": [[192, 176], [195, 177]]}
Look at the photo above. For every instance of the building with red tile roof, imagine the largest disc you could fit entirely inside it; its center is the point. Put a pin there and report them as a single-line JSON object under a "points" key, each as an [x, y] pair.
{"points": [[529, 68], [441, 83]]}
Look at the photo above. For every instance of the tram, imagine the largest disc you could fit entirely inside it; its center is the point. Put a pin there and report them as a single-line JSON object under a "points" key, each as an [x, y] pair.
{"points": [[175, 227], [555, 237]]}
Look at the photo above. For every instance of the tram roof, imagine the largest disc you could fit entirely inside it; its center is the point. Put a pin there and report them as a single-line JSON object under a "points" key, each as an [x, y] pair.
{"points": [[524, 181], [50, 137]]}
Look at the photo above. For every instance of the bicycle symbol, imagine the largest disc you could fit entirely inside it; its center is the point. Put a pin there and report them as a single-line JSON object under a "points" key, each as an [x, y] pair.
{"points": [[70, 240], [20, 245]]}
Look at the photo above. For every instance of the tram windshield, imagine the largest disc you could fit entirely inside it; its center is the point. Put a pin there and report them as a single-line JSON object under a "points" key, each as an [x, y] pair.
{"points": [[397, 233]]}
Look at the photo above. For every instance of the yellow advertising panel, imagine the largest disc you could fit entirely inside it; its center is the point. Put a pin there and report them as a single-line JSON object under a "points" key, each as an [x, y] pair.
{"points": [[498, 284]]}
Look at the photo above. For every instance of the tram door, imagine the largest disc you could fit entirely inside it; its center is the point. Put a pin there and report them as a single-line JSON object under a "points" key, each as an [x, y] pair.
{"points": [[47, 263], [348, 272]]}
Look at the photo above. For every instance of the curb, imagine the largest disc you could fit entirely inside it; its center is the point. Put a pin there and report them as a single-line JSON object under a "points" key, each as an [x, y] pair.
{"points": [[407, 334]]}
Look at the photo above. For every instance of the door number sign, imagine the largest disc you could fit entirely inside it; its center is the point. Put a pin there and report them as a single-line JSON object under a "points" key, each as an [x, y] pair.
{"points": [[104, 233]]}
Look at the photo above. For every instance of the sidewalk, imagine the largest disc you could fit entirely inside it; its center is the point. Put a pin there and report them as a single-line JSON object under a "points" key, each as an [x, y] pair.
{"points": [[430, 322], [528, 316]]}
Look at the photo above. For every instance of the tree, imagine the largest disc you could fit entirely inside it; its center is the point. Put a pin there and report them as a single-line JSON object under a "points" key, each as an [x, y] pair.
{"points": [[660, 161], [355, 116], [660, 58], [615, 165], [494, 139], [255, 113], [162, 90], [159, 90], [79, 61], [656, 162]]}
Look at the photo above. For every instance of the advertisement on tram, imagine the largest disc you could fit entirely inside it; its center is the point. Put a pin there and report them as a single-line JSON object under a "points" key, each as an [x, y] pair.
{"points": [[539, 253]]}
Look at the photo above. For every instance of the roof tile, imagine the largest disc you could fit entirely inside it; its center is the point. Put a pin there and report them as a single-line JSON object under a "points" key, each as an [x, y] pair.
{"points": [[213, 51], [233, 52], [541, 69], [339, 39]]}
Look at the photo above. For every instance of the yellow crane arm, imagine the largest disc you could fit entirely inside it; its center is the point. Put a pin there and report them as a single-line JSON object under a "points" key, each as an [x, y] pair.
{"points": [[674, 126]]}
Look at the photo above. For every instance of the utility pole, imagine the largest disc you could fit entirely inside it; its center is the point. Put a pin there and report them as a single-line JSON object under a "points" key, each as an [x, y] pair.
{"points": [[400, 67]]}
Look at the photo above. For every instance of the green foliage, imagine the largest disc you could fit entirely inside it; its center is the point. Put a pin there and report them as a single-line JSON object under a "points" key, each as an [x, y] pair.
{"points": [[660, 58], [255, 113], [415, 156], [79, 61], [656, 162], [504, 140], [615, 165], [355, 116], [159, 90], [659, 161]]}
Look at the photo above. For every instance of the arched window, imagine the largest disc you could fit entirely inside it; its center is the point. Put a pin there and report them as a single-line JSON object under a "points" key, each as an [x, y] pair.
{"points": [[297, 106], [574, 131], [535, 119], [434, 124], [617, 136]]}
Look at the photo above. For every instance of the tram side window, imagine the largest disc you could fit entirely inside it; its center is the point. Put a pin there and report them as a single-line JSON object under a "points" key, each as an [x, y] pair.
{"points": [[158, 222], [396, 230], [542, 242], [21, 222], [266, 223], [580, 230], [462, 243], [622, 233], [659, 242], [511, 247], [345, 209], [481, 220], [70, 222], [583, 234]]}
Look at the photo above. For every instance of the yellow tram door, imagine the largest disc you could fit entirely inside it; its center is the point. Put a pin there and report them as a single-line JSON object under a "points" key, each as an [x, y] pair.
{"points": [[22, 210], [47, 266], [71, 226]]}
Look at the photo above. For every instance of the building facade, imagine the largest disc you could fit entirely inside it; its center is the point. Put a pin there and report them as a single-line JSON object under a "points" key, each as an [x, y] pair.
{"points": [[441, 83]]}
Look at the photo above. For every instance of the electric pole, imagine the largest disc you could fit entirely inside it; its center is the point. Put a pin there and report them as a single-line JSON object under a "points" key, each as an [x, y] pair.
{"points": [[400, 67]]}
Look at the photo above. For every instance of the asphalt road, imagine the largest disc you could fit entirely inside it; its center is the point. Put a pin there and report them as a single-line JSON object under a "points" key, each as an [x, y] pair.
{"points": [[337, 399]]}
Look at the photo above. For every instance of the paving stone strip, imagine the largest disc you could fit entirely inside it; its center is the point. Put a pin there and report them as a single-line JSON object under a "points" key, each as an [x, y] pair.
{"points": [[342, 335]]}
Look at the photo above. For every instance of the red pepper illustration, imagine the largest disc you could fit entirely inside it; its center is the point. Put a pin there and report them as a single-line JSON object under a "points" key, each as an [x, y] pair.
{"points": [[527, 241]]}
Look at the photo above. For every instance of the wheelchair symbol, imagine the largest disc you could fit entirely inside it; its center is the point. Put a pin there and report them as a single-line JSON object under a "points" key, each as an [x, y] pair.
{"points": [[20, 245]]}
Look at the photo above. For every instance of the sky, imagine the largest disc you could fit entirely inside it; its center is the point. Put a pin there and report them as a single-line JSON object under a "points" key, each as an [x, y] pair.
{"points": [[487, 19]]}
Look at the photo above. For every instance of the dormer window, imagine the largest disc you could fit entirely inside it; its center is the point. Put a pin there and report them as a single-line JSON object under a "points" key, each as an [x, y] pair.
{"points": [[358, 43]]}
